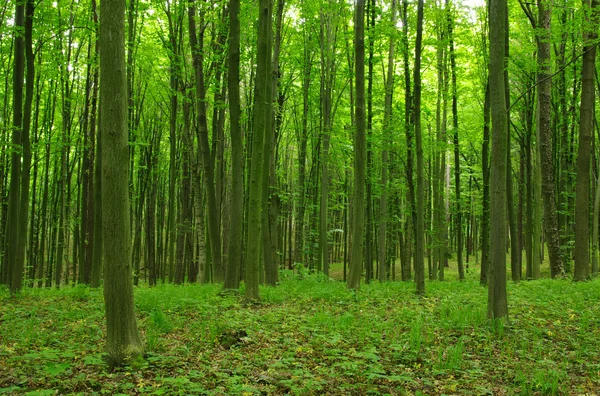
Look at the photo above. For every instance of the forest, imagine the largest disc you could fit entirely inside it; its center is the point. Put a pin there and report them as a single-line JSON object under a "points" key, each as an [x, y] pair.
{"points": [[299, 197]]}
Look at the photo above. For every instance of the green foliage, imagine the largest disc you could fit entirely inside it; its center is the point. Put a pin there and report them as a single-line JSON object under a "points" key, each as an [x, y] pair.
{"points": [[310, 335]]}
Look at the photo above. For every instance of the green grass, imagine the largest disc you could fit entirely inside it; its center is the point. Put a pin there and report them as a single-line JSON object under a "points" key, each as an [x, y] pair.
{"points": [[310, 336]]}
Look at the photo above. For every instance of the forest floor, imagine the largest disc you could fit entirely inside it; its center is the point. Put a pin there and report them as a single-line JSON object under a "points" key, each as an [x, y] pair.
{"points": [[310, 336]]}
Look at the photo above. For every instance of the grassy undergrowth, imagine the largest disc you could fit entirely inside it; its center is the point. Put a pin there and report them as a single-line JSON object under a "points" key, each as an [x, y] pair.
{"points": [[310, 336]]}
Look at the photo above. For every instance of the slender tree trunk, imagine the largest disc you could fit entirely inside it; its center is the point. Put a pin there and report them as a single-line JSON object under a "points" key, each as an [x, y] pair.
{"points": [[459, 226], [174, 85], [420, 231], [485, 216], [515, 253], [545, 143], [234, 256], [270, 265], [202, 131], [387, 130], [497, 302], [261, 111], [411, 222]]}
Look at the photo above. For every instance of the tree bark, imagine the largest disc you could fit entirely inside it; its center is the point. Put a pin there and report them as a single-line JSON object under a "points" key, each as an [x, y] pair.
{"points": [[234, 257], [459, 227], [358, 215], [19, 264], [586, 128], [12, 218], [545, 143], [420, 231], [207, 163], [261, 104], [387, 134], [123, 339], [497, 302]]}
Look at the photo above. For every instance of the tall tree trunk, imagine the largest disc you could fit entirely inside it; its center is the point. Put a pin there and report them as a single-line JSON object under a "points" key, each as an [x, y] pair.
{"points": [[497, 302], [261, 111], [358, 215], [307, 66], [328, 70], [19, 264], [270, 264], [586, 128], [123, 339], [98, 236], [202, 131], [596, 215], [369, 187], [12, 218], [411, 221], [420, 231], [459, 226], [234, 256], [387, 131], [515, 253], [545, 135], [485, 215]]}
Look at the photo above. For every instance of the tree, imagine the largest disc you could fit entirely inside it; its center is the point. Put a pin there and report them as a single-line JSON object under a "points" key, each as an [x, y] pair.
{"points": [[234, 257], [12, 222], [214, 232], [123, 339], [389, 92], [420, 229], [19, 264], [358, 215], [459, 227], [586, 128], [544, 83], [262, 103], [497, 302]]}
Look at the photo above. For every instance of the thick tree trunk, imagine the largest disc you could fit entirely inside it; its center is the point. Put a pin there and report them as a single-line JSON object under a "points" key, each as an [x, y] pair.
{"points": [[123, 339], [497, 302], [19, 264], [12, 218], [358, 215], [586, 128]]}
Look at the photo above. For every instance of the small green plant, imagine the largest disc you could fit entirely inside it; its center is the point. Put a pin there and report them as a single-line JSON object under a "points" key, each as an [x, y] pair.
{"points": [[452, 358], [547, 381], [80, 292], [160, 321], [416, 335]]}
